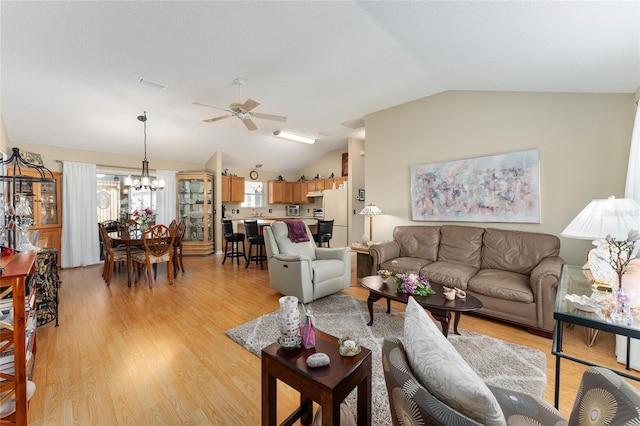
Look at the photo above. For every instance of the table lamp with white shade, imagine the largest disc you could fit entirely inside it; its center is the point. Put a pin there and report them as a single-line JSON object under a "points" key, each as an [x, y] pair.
{"points": [[370, 211], [613, 217]]}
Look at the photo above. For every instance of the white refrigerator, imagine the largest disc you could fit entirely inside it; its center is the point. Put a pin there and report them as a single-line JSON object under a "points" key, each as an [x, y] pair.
{"points": [[335, 206]]}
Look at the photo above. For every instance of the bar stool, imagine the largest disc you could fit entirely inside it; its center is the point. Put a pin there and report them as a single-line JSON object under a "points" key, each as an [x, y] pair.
{"points": [[255, 240], [234, 238], [324, 232]]}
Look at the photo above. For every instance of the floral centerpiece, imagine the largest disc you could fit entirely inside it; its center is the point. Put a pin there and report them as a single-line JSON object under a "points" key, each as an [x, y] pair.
{"points": [[413, 284], [618, 252], [143, 217]]}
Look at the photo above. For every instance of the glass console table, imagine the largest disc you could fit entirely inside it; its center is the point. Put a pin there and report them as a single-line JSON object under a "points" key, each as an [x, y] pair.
{"points": [[573, 281]]}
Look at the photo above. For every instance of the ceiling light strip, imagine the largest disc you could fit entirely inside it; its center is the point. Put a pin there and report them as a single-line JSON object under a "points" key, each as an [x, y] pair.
{"points": [[291, 136]]}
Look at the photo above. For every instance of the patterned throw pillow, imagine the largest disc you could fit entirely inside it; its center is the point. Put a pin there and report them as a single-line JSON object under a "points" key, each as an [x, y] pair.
{"points": [[441, 369]]}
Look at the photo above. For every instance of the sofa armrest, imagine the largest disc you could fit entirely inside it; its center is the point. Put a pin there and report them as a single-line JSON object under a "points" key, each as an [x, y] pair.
{"points": [[544, 285], [383, 252]]}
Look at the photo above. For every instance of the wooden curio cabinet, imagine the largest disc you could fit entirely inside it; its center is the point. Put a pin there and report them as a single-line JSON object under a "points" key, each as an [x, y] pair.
{"points": [[45, 201], [195, 208]]}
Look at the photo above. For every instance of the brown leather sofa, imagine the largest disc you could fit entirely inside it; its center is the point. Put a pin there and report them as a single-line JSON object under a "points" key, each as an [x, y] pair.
{"points": [[514, 274]]}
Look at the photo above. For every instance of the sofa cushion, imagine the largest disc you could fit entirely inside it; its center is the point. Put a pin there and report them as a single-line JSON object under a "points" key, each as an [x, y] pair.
{"points": [[517, 251], [440, 368], [405, 265], [451, 274], [418, 241], [502, 285], [461, 244]]}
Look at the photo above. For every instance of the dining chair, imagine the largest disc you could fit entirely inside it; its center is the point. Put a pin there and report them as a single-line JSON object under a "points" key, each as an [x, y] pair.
{"points": [[324, 232], [158, 248], [255, 240], [111, 255], [181, 229]]}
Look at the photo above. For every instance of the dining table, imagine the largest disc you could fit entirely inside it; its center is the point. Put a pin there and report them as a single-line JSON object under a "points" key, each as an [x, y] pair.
{"points": [[128, 240]]}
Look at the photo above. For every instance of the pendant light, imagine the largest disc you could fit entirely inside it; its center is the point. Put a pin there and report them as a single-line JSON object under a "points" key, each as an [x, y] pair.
{"points": [[145, 182]]}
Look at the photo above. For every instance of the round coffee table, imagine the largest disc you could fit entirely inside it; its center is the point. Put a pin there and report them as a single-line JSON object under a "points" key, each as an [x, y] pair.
{"points": [[439, 307]]}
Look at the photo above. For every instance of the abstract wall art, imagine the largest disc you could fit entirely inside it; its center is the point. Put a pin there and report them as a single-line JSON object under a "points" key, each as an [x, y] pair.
{"points": [[496, 188]]}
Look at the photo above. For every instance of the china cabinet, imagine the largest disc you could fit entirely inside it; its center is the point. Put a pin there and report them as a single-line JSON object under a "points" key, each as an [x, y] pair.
{"points": [[44, 199], [195, 208], [18, 334]]}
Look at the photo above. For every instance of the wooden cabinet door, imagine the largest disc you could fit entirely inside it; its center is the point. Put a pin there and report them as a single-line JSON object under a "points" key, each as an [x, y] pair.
{"points": [[276, 191], [288, 192], [226, 189], [237, 189]]}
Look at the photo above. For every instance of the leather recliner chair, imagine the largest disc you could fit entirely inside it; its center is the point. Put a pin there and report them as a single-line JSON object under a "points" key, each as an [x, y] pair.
{"points": [[303, 270]]}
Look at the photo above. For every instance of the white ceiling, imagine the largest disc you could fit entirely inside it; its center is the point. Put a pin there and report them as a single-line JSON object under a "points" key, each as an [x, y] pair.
{"points": [[70, 69]]}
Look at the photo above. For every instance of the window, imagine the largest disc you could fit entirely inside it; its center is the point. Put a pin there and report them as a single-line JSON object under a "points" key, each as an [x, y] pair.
{"points": [[253, 195], [115, 200]]}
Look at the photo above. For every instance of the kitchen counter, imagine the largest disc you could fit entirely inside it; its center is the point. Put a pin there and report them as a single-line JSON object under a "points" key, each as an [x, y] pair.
{"points": [[238, 224]]}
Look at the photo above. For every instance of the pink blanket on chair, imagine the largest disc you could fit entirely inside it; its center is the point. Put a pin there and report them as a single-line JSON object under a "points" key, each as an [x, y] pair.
{"points": [[297, 231]]}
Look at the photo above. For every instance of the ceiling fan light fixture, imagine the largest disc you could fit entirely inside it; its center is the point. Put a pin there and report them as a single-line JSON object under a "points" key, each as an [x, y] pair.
{"points": [[293, 137]]}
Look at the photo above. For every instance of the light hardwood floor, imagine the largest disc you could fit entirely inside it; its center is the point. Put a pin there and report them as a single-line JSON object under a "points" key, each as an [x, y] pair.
{"points": [[135, 356]]}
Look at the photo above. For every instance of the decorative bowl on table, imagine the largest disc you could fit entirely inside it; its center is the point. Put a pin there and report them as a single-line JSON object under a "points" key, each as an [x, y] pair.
{"points": [[349, 346], [583, 303], [384, 274]]}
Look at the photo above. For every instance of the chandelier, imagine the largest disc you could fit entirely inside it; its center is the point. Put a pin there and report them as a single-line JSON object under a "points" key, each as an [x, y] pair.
{"points": [[144, 181]]}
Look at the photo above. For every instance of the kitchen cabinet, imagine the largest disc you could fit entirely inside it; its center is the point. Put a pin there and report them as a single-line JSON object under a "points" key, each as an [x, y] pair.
{"points": [[300, 190], [18, 333], [232, 189], [277, 192], [195, 208], [45, 200]]}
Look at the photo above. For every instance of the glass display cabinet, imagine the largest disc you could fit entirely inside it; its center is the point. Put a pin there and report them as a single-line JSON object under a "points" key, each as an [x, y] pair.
{"points": [[195, 208], [31, 201]]}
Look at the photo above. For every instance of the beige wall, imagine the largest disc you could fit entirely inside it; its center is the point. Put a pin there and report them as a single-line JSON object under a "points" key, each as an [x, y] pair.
{"points": [[51, 155], [356, 181], [331, 162], [4, 137], [583, 141]]}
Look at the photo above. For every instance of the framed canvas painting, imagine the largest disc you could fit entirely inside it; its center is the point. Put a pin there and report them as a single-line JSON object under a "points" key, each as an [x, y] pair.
{"points": [[496, 188]]}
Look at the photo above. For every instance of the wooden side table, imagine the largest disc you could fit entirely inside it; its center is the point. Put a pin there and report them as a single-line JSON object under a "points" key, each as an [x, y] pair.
{"points": [[328, 386], [364, 264]]}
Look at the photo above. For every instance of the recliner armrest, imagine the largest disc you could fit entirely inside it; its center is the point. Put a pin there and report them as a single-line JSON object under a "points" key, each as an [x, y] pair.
{"points": [[290, 257], [549, 267], [323, 253]]}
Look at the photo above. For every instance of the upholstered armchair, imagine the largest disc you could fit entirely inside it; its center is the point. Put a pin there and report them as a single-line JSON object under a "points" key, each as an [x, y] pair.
{"points": [[301, 269], [600, 387]]}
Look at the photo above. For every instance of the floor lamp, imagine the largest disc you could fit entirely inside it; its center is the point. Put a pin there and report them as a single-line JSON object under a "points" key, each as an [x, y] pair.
{"points": [[370, 211]]}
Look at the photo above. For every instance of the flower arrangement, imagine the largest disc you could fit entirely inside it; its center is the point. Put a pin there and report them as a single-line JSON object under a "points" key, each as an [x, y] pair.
{"points": [[620, 252], [413, 284], [143, 217]]}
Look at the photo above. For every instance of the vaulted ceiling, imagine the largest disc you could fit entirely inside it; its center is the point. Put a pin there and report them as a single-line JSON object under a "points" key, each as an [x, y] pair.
{"points": [[70, 70]]}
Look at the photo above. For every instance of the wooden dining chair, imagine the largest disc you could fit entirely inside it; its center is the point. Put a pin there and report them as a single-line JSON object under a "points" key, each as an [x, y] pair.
{"points": [[181, 229], [158, 248], [111, 255]]}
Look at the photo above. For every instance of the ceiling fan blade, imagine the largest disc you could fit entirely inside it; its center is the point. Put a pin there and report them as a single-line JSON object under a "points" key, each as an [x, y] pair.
{"points": [[250, 124], [222, 117], [269, 117], [249, 105], [210, 106]]}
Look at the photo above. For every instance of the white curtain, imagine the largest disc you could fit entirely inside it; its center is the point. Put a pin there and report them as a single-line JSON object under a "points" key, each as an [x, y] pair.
{"points": [[80, 243], [166, 198], [632, 189]]}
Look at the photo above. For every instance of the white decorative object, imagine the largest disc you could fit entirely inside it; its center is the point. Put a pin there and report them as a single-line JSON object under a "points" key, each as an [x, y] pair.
{"points": [[349, 346], [583, 303], [319, 359], [289, 322]]}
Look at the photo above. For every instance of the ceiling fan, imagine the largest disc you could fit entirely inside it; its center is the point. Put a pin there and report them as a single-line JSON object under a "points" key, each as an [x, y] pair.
{"points": [[242, 111]]}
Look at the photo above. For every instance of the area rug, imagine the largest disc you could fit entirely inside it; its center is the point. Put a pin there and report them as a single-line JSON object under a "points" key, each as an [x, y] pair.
{"points": [[497, 362]]}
